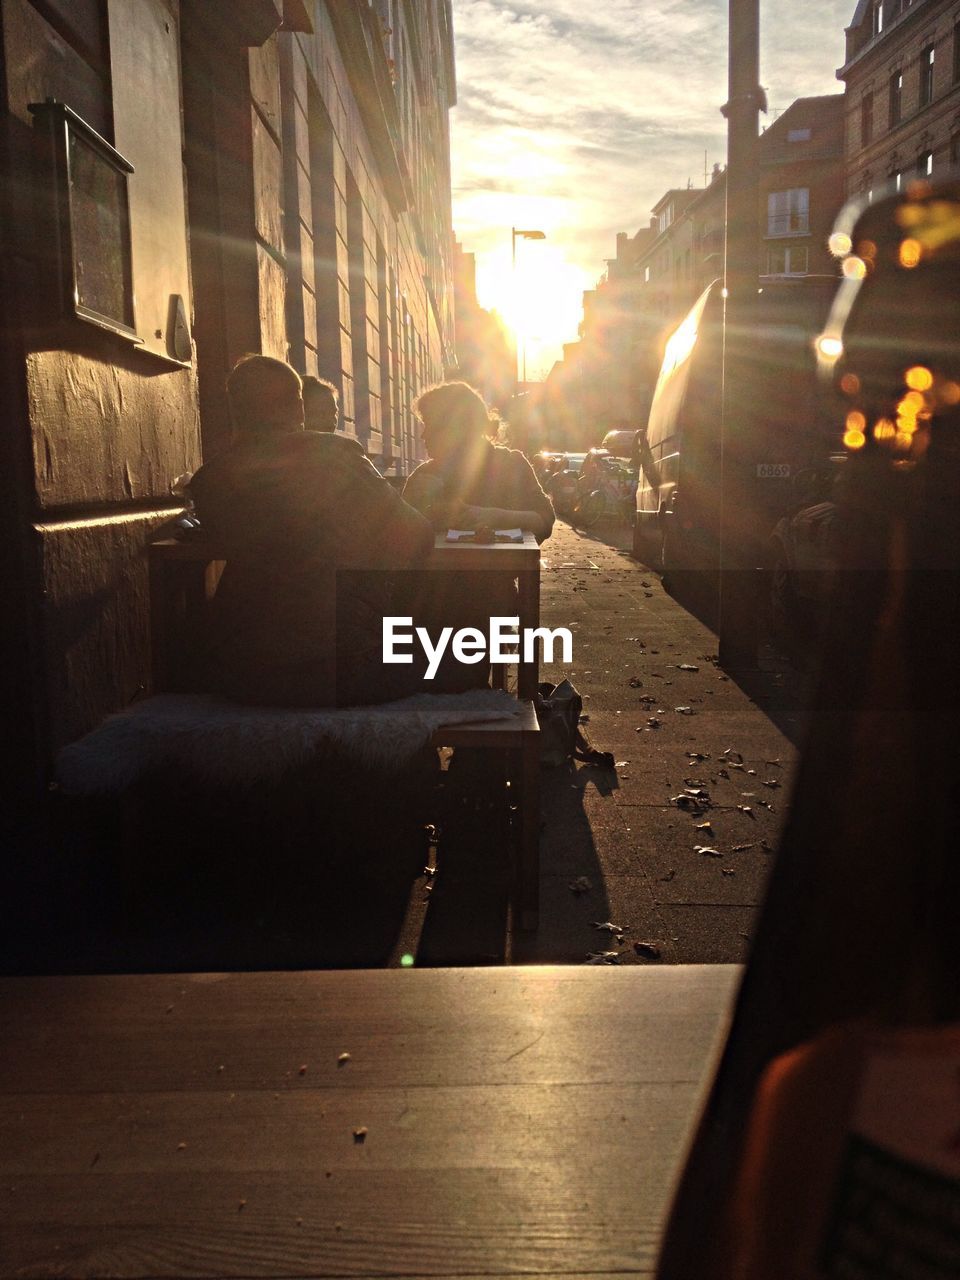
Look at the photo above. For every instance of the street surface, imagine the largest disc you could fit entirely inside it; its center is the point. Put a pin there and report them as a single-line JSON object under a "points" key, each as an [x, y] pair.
{"points": [[625, 836]]}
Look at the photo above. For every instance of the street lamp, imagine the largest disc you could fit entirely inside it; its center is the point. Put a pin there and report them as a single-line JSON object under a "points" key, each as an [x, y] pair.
{"points": [[515, 234]]}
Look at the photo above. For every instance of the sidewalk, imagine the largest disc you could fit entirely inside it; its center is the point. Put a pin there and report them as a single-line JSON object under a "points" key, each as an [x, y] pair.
{"points": [[623, 836]]}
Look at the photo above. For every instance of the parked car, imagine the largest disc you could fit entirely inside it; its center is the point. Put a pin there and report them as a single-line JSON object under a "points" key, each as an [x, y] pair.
{"points": [[621, 443], [561, 484], [546, 462], [785, 427]]}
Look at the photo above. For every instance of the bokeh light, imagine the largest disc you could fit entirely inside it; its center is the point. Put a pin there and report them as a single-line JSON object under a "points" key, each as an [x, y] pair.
{"points": [[911, 252], [840, 244], [918, 378], [854, 268]]}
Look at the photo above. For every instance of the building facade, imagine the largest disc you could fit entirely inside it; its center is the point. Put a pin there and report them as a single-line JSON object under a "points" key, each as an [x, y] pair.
{"points": [[902, 79], [609, 376], [185, 181]]}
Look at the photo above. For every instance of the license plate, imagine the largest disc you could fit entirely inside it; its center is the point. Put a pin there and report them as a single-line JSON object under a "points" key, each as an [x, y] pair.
{"points": [[773, 470]]}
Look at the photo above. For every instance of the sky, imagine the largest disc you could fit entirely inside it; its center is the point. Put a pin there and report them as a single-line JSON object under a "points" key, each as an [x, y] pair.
{"points": [[573, 118]]}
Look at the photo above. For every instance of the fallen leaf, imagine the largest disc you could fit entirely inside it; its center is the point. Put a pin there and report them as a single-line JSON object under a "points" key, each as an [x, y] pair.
{"points": [[686, 802], [704, 826], [772, 783], [360, 1135], [745, 808], [343, 1058], [727, 871], [608, 926], [687, 666], [581, 885], [603, 957], [684, 711], [741, 848], [647, 949], [731, 754], [706, 851]]}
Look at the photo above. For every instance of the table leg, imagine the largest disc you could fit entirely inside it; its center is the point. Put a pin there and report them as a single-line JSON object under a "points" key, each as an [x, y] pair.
{"points": [[528, 673], [528, 869]]}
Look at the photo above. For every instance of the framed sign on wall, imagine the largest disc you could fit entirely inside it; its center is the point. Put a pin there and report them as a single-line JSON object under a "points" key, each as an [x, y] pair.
{"points": [[92, 222]]}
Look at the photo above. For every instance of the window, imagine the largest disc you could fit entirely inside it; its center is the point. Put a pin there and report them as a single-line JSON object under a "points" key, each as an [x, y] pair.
{"points": [[788, 260], [876, 17], [788, 212], [925, 164], [866, 119], [646, 275], [798, 135], [897, 179], [926, 75], [896, 97]]}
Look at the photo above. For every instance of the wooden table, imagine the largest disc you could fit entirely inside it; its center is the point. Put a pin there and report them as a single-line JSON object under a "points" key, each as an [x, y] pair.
{"points": [[184, 572], [522, 560], [517, 1120]]}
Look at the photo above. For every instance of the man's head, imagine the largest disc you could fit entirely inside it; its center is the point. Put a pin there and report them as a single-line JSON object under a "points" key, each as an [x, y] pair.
{"points": [[264, 396], [321, 404], [455, 419]]}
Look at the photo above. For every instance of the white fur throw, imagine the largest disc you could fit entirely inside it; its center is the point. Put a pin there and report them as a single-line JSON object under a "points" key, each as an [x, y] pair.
{"points": [[223, 742]]}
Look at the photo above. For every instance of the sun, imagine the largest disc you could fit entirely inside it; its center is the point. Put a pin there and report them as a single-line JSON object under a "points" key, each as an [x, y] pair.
{"points": [[540, 299]]}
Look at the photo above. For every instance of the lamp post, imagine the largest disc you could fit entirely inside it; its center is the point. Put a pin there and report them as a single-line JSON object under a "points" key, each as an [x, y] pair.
{"points": [[515, 234], [737, 623]]}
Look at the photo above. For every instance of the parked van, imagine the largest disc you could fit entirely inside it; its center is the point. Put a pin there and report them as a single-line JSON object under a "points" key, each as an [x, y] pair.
{"points": [[782, 426]]}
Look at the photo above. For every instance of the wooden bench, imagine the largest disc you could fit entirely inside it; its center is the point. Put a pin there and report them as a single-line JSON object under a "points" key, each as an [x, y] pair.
{"points": [[184, 575]]}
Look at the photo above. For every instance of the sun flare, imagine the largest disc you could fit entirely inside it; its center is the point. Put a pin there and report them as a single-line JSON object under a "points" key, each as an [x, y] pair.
{"points": [[540, 299]]}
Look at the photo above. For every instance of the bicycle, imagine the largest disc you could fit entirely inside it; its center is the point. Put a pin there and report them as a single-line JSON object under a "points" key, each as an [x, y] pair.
{"points": [[611, 499]]}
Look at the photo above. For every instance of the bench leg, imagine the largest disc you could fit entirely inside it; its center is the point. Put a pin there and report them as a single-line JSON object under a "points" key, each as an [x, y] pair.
{"points": [[528, 862]]}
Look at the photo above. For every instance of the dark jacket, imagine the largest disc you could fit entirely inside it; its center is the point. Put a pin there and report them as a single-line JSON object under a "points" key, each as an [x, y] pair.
{"points": [[300, 516], [502, 478], [498, 477]]}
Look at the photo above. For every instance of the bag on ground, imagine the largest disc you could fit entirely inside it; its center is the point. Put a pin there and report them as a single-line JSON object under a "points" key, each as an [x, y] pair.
{"points": [[559, 707]]}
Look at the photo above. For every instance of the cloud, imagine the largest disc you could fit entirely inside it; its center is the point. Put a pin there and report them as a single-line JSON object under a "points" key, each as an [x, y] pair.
{"points": [[585, 114]]}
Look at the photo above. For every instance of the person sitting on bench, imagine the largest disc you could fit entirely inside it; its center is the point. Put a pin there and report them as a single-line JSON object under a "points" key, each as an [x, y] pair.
{"points": [[310, 531]]}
